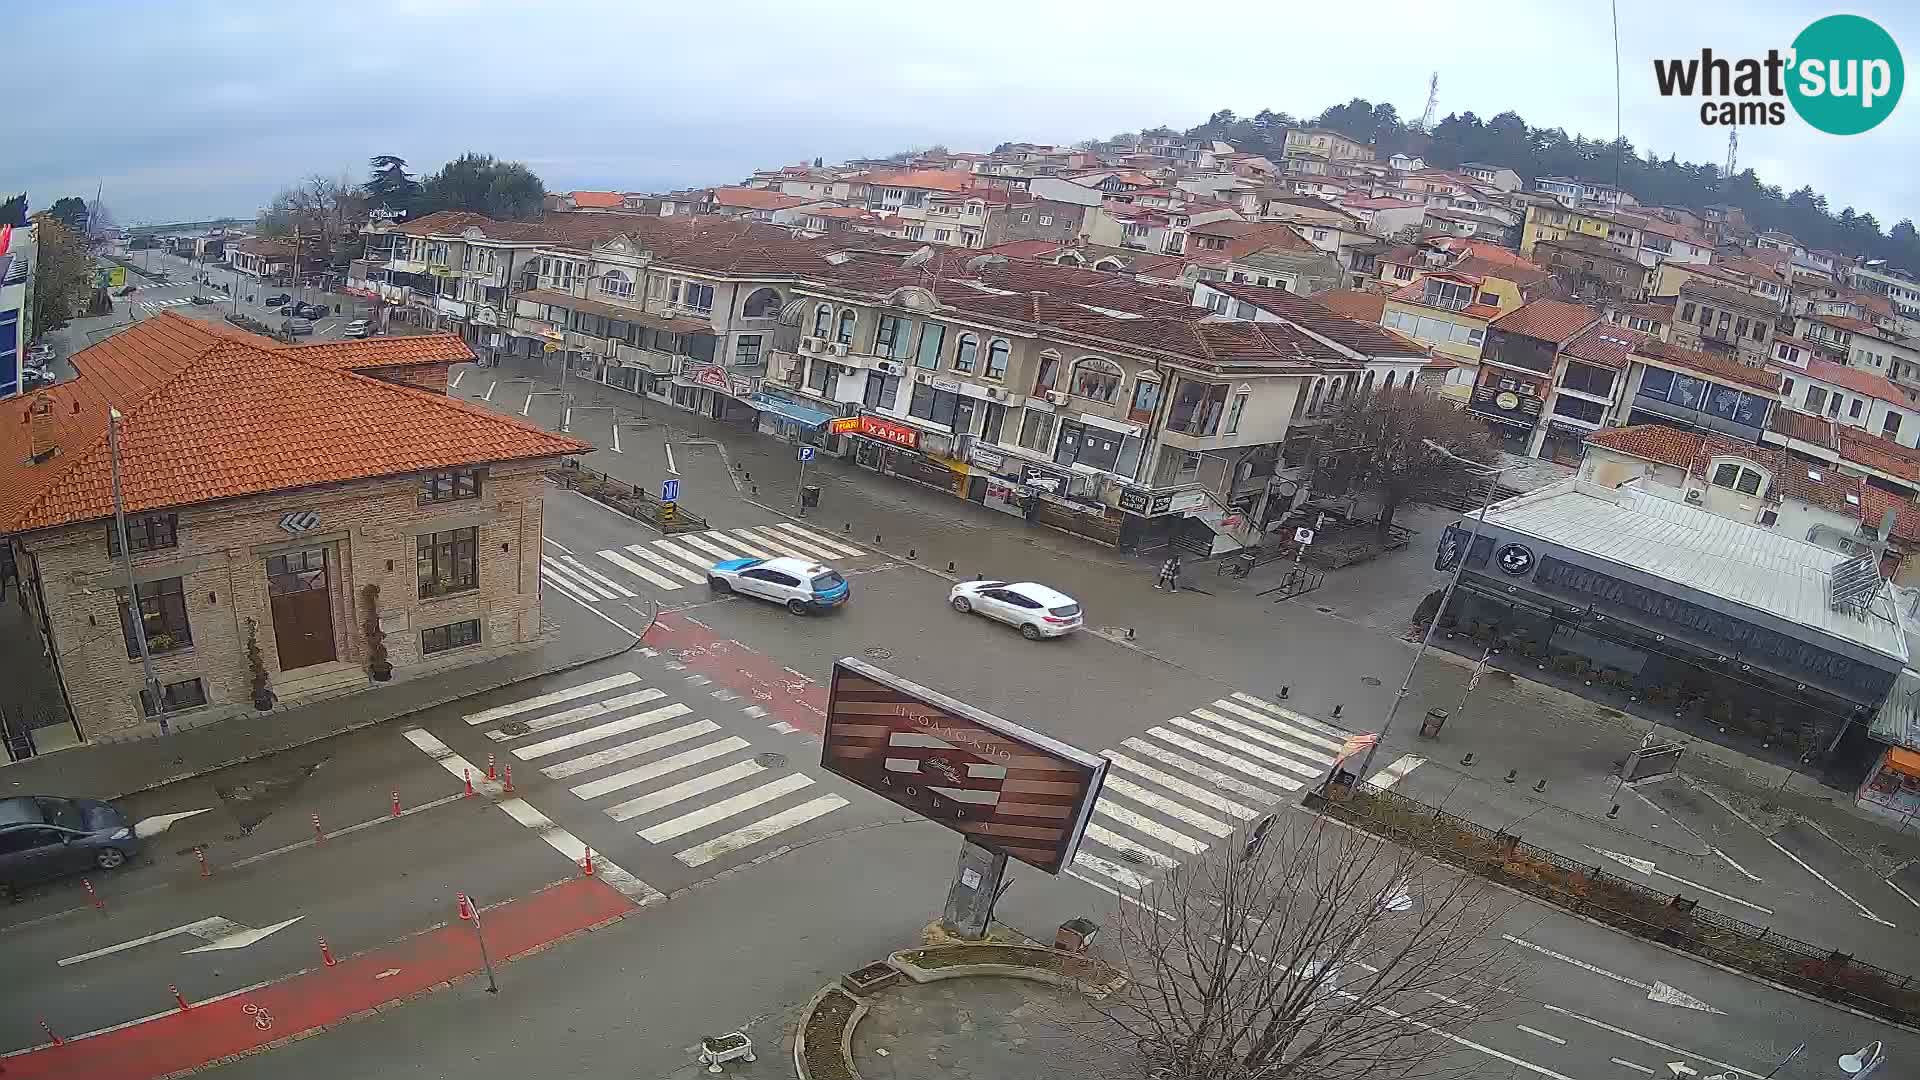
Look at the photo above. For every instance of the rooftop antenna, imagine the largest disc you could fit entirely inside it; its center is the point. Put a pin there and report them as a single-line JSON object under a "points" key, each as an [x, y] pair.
{"points": [[1433, 102], [1733, 152]]}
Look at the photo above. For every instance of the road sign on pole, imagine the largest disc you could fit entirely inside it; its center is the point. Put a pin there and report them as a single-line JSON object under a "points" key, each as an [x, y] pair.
{"points": [[1303, 536], [806, 454], [670, 490]]}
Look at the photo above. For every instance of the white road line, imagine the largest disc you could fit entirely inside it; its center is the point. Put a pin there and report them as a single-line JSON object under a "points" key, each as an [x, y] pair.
{"points": [[1111, 809], [1219, 779], [804, 548], [1294, 750], [684, 790], [555, 837], [1293, 731], [555, 569], [668, 565], [1101, 834], [749, 545], [637, 570], [726, 808], [748, 835], [457, 376], [1247, 748], [670, 467], [1728, 859], [1864, 910], [682, 554], [572, 591], [782, 728], [1670, 1048], [1173, 783], [1581, 964], [779, 545], [599, 731], [616, 434], [1296, 717], [625, 750], [1112, 871], [653, 769], [694, 541], [580, 690], [488, 396], [822, 538], [1715, 892], [562, 547], [1395, 772], [583, 712], [1902, 892], [1120, 785], [597, 576], [1625, 1064], [828, 547], [1538, 1034], [1265, 776]]}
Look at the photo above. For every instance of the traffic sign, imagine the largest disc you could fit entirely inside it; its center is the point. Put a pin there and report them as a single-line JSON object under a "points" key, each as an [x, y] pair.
{"points": [[1303, 536], [670, 491], [806, 453]]}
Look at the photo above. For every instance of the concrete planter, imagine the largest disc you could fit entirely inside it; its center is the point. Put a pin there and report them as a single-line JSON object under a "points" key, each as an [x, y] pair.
{"points": [[823, 1041], [1068, 971]]}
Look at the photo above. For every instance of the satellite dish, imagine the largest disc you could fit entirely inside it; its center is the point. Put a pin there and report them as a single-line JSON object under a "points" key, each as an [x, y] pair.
{"points": [[920, 258], [980, 262]]}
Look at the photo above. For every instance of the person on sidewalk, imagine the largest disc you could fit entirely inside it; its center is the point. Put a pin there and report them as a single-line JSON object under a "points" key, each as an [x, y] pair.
{"points": [[1169, 575]]}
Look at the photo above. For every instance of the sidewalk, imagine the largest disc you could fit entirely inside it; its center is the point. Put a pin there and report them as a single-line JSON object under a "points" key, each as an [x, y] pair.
{"points": [[112, 770]]}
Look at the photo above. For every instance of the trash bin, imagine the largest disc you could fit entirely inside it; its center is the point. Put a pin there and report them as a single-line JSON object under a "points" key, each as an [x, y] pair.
{"points": [[1430, 726], [810, 496]]}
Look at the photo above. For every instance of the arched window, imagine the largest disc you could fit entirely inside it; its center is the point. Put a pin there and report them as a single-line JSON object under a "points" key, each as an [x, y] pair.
{"points": [[1108, 263], [761, 304], [822, 320], [1367, 389], [1313, 399], [1299, 405], [1048, 375], [1069, 258], [965, 352], [997, 351], [1388, 385], [1096, 379], [845, 334], [615, 283]]}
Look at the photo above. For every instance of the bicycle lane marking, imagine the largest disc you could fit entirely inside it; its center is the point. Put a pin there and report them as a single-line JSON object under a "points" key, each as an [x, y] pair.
{"points": [[785, 695]]}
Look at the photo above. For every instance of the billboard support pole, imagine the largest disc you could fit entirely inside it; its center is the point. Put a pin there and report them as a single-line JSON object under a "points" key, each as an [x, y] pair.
{"points": [[975, 888]]}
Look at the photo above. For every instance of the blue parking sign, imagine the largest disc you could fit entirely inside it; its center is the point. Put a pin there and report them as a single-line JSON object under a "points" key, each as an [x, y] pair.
{"points": [[806, 453], [670, 491]]}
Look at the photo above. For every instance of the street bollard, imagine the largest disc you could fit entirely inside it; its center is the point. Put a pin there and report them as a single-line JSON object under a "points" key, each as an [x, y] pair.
{"points": [[319, 836], [1336, 710], [1512, 775], [949, 566], [57, 1040], [876, 539], [179, 997], [1613, 811], [846, 526], [1467, 761], [491, 774], [508, 787], [586, 863], [326, 954], [463, 907], [1541, 786], [98, 903], [201, 854], [396, 804], [467, 775], [1284, 691]]}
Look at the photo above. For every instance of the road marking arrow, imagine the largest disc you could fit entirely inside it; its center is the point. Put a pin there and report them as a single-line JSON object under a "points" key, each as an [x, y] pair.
{"points": [[154, 826], [387, 974], [1658, 992], [1646, 866], [243, 937], [1679, 1068]]}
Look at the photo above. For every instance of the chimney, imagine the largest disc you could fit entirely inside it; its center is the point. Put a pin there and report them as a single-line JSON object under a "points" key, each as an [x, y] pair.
{"points": [[40, 428]]}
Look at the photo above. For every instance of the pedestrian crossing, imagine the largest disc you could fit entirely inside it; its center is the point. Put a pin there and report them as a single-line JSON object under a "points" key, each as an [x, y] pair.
{"points": [[649, 763], [682, 560], [1186, 784], [151, 306]]}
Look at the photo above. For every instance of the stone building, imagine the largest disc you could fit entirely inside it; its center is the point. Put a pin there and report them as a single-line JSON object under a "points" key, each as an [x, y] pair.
{"points": [[280, 506]]}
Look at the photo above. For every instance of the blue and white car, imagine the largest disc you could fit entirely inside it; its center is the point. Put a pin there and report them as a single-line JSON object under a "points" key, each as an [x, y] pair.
{"points": [[801, 585]]}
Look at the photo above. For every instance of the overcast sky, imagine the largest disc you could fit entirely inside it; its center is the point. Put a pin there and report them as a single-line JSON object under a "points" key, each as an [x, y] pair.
{"points": [[189, 110]]}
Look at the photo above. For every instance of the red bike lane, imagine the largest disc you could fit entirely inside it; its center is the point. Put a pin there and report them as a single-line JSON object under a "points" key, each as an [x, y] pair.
{"points": [[785, 695]]}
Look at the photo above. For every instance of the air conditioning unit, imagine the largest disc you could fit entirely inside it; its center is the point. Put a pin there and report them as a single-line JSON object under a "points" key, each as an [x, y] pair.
{"points": [[839, 348], [996, 394], [923, 376], [1694, 495], [1058, 397], [809, 344], [890, 367]]}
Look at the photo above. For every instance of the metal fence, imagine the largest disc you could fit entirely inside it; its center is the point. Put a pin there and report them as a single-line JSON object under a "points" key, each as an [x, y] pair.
{"points": [[669, 518], [1671, 919]]}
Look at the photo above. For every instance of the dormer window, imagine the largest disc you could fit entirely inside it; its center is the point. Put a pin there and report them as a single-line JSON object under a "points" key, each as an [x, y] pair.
{"points": [[1739, 476]]}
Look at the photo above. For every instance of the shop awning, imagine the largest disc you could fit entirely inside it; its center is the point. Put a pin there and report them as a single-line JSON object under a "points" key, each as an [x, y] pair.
{"points": [[788, 410], [1904, 761]]}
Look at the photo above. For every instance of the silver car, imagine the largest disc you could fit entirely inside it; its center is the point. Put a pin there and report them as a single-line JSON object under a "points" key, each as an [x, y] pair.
{"points": [[43, 837]]}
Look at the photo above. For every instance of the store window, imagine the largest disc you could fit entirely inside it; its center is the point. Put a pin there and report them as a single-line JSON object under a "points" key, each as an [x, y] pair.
{"points": [[933, 406], [447, 562], [163, 617], [1036, 431], [882, 390]]}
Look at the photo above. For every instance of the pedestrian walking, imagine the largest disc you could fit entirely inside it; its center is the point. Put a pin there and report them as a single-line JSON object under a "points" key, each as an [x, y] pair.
{"points": [[1169, 575]]}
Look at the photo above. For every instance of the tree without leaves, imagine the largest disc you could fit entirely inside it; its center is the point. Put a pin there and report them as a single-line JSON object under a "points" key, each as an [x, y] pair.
{"points": [[100, 221], [479, 184], [62, 274], [1376, 446], [1326, 953]]}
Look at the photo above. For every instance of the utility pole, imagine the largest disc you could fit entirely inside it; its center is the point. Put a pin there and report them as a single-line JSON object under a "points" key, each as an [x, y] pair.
{"points": [[135, 619]]}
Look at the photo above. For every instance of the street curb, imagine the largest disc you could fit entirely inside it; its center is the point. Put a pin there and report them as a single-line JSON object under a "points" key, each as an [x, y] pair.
{"points": [[1590, 921], [360, 725]]}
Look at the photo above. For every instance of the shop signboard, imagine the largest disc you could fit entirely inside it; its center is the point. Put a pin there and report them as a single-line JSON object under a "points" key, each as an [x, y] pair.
{"points": [[992, 460], [844, 425], [1135, 501], [1003, 786], [711, 376], [875, 427]]}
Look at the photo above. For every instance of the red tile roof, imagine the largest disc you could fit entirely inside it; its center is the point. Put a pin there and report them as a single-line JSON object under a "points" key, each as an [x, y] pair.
{"points": [[1842, 322], [1653, 442], [1804, 427], [1875, 452], [385, 352], [1025, 249], [754, 199], [1549, 320], [1354, 303], [1606, 344], [931, 179], [1364, 337], [596, 200], [1714, 367], [1815, 484], [213, 414], [1857, 380]]}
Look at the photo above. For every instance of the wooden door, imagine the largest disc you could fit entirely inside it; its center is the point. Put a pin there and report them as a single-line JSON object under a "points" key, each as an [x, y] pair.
{"points": [[302, 602]]}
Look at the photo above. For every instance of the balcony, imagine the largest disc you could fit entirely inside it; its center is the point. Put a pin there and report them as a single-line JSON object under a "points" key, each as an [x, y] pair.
{"points": [[660, 363], [539, 328], [403, 265]]}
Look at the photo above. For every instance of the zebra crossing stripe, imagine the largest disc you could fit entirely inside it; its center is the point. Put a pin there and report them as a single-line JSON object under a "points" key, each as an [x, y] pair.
{"points": [[636, 569], [1112, 871], [573, 591], [748, 835], [1298, 734], [833, 550], [1265, 776], [1173, 783], [643, 773], [1213, 776], [1146, 825], [725, 808], [1292, 749], [792, 544], [583, 712], [1247, 748], [599, 758], [694, 541], [1395, 772], [515, 708], [1120, 785], [597, 576], [1288, 714], [1100, 834], [751, 547], [556, 569], [851, 551], [681, 553], [600, 731], [668, 565], [681, 792]]}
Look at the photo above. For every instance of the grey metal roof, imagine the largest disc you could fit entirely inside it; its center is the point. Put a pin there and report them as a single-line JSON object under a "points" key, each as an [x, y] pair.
{"points": [[1701, 551]]}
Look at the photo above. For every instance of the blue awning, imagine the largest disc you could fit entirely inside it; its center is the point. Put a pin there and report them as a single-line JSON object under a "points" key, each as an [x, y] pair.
{"points": [[788, 410]]}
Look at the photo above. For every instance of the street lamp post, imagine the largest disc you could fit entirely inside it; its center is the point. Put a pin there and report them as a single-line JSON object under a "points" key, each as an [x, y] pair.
{"points": [[135, 620], [1473, 534]]}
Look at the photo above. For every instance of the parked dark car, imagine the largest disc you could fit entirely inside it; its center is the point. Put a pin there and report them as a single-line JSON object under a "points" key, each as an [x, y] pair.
{"points": [[278, 299], [202, 300], [43, 837]]}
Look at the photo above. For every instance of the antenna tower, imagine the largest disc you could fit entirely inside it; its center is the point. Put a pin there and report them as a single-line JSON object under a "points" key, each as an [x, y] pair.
{"points": [[1433, 102], [1733, 152]]}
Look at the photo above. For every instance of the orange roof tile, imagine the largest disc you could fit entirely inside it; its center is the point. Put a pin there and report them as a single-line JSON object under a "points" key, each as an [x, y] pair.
{"points": [[1710, 365], [213, 414], [385, 352], [600, 200], [1874, 452], [1606, 344], [1805, 427], [754, 198], [1856, 380], [1549, 320], [1653, 442], [1354, 303]]}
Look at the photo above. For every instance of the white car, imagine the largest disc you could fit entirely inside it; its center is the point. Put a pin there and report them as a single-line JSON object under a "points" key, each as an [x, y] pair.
{"points": [[800, 585], [358, 328], [1038, 611]]}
